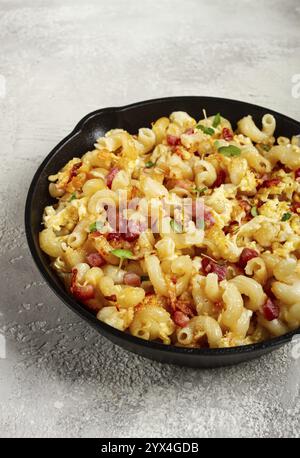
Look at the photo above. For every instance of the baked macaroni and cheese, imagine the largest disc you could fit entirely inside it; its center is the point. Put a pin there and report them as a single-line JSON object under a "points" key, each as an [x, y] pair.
{"points": [[187, 233]]}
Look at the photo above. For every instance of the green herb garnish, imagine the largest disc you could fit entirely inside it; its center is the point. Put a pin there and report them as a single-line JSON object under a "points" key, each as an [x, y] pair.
{"points": [[286, 216], [217, 120], [93, 227], [73, 196], [229, 151], [254, 211], [266, 147], [149, 164], [199, 191], [96, 226], [175, 226], [122, 254], [206, 130]]}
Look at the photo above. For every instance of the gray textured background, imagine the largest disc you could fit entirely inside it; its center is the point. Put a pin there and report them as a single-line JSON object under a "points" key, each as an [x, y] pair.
{"points": [[61, 60]]}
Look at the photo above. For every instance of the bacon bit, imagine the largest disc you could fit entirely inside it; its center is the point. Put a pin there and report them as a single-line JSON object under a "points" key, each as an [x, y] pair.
{"points": [[117, 236], [270, 310], [218, 306], [132, 279], [170, 183], [92, 305], [134, 230], [245, 205], [180, 318], [174, 279], [227, 134], [184, 307], [112, 298], [271, 182], [111, 175], [231, 228], [82, 293], [189, 131], [221, 177], [268, 289], [261, 179], [172, 140], [95, 260], [297, 173], [211, 266], [246, 255], [296, 207], [114, 236], [130, 236], [208, 218], [74, 171]]}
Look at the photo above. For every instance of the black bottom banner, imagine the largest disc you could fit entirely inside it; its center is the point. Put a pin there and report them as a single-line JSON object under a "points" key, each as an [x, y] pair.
{"points": [[103, 448]]}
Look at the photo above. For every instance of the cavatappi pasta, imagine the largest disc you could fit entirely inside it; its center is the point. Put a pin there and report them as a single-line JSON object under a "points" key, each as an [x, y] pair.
{"points": [[187, 233]]}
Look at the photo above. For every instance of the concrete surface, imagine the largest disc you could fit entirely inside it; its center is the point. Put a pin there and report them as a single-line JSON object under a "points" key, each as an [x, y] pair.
{"points": [[59, 61]]}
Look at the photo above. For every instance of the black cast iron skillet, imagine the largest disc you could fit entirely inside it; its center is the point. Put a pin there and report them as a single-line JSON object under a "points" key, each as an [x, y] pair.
{"points": [[131, 118]]}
